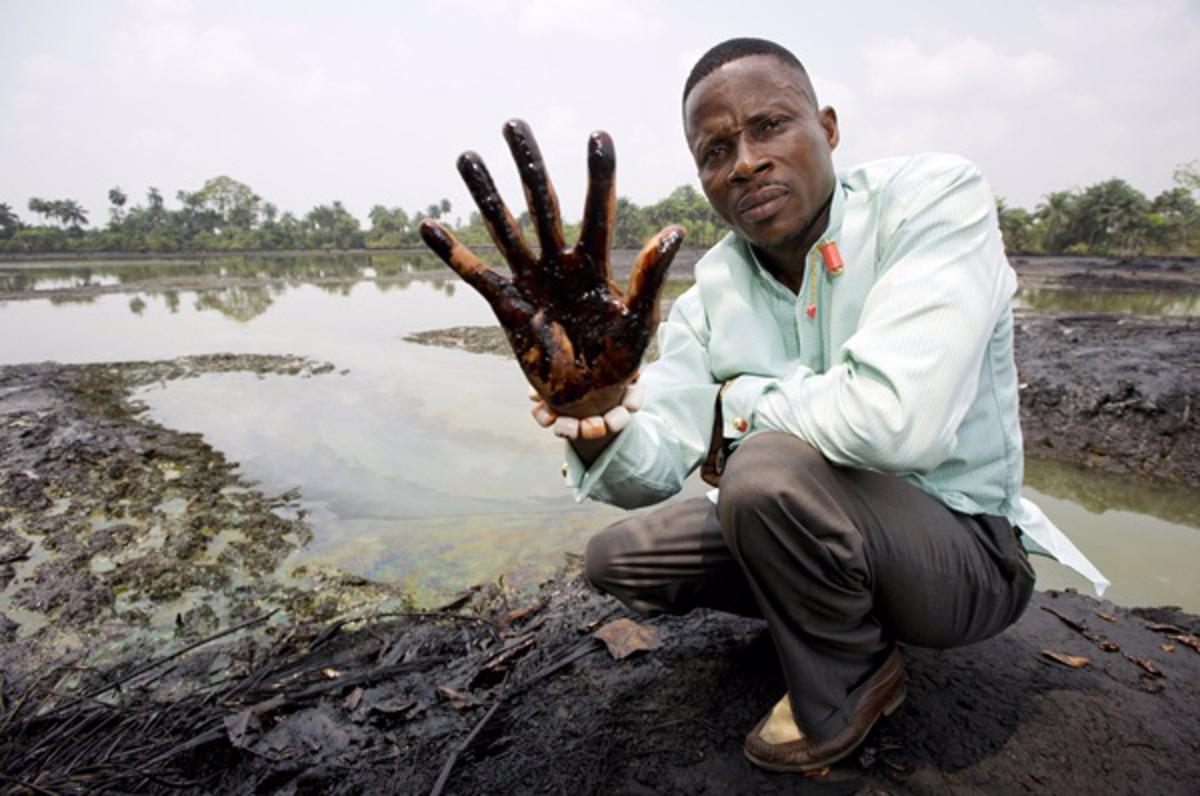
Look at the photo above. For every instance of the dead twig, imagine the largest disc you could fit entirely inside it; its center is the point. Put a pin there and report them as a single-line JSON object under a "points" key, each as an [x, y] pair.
{"points": [[448, 766], [433, 615], [585, 647], [1076, 625], [20, 783], [379, 672]]}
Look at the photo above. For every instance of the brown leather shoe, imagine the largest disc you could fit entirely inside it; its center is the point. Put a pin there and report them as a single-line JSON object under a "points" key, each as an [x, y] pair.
{"points": [[884, 693]]}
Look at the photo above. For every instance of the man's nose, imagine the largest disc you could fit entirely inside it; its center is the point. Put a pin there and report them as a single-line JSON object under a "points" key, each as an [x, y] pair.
{"points": [[750, 161]]}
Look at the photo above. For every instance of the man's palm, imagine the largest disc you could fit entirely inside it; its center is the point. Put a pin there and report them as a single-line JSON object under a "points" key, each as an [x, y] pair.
{"points": [[578, 337]]}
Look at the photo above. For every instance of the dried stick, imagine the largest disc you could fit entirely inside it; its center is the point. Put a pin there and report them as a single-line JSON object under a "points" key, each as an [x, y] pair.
{"points": [[462, 747], [585, 647]]}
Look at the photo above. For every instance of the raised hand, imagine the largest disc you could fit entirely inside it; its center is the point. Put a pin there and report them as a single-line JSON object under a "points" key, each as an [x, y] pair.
{"points": [[577, 336]]}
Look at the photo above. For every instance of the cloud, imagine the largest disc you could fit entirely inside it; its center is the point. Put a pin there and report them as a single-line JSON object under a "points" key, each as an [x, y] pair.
{"points": [[904, 69], [39, 79], [835, 92], [179, 55], [582, 19], [305, 102], [1097, 24]]}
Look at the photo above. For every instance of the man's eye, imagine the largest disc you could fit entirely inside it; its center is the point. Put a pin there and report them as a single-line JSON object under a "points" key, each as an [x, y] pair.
{"points": [[714, 153]]}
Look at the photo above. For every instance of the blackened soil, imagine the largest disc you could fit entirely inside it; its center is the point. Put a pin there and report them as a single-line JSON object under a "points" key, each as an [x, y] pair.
{"points": [[527, 700], [1177, 274], [1116, 393]]}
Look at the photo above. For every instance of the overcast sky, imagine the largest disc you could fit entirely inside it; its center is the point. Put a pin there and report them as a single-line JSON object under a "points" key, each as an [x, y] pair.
{"points": [[372, 102]]}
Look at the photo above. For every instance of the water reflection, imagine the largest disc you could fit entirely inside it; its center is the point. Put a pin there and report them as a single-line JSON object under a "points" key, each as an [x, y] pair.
{"points": [[1143, 303], [294, 269], [243, 303], [317, 267], [305, 319], [1143, 536], [1098, 492], [236, 303]]}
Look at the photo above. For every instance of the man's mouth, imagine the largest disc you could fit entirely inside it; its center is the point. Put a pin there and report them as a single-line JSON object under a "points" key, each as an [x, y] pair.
{"points": [[762, 203]]}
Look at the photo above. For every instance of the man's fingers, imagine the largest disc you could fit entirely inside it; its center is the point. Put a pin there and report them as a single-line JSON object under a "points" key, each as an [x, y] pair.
{"points": [[543, 414], [500, 223], [499, 291], [650, 271], [543, 203], [600, 209]]}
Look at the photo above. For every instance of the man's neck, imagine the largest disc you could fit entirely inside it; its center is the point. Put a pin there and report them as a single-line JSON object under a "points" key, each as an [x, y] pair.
{"points": [[786, 261]]}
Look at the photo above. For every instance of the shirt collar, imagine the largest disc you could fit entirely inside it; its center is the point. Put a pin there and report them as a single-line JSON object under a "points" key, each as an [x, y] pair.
{"points": [[837, 212]]}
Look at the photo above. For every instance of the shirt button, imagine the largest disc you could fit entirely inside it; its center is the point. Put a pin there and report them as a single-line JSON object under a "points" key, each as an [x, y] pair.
{"points": [[565, 470], [740, 424]]}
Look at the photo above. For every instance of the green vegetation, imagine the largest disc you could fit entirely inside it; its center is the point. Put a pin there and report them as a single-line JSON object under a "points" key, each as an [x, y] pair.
{"points": [[1110, 217], [227, 215]]}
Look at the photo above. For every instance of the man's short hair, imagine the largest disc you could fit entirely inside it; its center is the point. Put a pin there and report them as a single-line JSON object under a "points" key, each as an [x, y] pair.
{"points": [[732, 50]]}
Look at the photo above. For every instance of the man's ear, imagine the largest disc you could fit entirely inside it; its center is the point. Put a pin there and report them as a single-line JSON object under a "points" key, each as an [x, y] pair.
{"points": [[829, 123]]}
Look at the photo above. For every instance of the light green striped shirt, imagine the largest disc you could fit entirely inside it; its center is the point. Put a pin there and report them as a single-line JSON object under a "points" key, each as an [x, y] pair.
{"points": [[906, 366]]}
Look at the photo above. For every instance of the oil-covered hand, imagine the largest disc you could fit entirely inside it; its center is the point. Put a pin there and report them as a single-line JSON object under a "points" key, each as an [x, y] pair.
{"points": [[578, 337]]}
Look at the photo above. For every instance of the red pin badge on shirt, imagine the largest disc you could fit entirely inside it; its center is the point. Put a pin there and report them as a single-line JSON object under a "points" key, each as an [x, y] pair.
{"points": [[831, 256]]}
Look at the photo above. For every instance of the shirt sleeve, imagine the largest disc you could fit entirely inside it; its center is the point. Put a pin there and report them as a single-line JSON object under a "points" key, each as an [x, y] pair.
{"points": [[902, 383], [668, 438]]}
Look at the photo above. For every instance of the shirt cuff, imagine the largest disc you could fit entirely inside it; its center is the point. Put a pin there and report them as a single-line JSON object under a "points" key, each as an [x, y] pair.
{"points": [[739, 402], [586, 481]]}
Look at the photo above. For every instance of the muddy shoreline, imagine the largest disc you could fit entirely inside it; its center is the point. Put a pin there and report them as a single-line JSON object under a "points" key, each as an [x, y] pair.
{"points": [[1181, 274], [108, 520], [1114, 393]]}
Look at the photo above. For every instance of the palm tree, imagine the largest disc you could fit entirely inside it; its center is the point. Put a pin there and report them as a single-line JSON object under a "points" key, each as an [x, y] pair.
{"points": [[9, 223], [72, 214], [42, 207], [1016, 224], [67, 212], [1056, 215], [117, 198]]}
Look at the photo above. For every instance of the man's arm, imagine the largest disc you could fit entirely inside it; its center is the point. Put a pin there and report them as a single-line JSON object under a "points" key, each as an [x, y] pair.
{"points": [[905, 380]]}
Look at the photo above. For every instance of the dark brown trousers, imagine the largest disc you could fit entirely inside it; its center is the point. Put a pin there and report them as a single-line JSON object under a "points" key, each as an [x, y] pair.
{"points": [[841, 563]]}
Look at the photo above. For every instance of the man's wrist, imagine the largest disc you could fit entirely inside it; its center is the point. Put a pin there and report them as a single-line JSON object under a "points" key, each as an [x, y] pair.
{"points": [[588, 450], [594, 427]]}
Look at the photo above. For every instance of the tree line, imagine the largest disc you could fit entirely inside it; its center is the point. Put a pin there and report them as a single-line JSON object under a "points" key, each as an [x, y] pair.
{"points": [[225, 214], [1110, 217]]}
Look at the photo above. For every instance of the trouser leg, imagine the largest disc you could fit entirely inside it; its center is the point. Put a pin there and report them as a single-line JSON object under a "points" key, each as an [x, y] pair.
{"points": [[670, 560], [843, 563]]}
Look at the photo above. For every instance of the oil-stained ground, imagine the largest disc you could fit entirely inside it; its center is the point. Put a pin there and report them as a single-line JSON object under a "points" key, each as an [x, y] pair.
{"points": [[494, 697]]}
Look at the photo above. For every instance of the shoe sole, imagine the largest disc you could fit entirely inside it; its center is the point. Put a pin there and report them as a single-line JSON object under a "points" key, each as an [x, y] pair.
{"points": [[783, 768]]}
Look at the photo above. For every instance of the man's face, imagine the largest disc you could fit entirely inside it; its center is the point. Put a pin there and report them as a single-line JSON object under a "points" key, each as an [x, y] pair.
{"points": [[762, 148]]}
